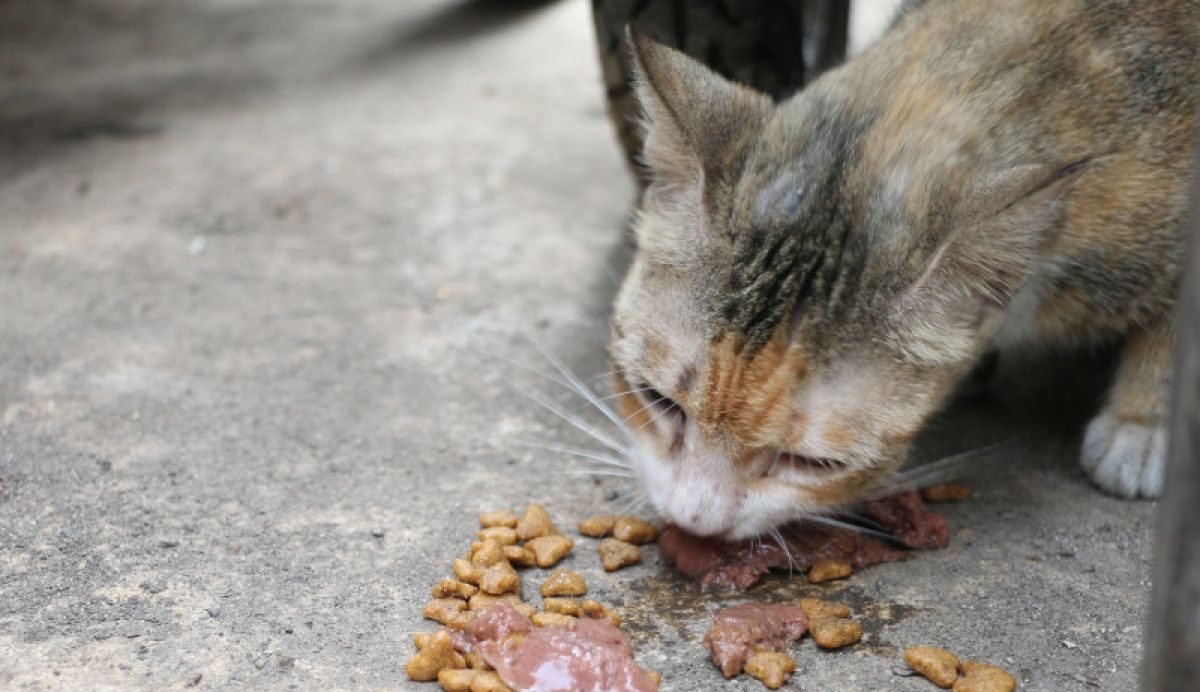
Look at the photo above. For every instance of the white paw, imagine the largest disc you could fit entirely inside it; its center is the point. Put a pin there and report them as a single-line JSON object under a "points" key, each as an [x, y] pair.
{"points": [[1126, 459]]}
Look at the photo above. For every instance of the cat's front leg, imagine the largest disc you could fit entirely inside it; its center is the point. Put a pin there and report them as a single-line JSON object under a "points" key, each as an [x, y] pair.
{"points": [[1125, 446]]}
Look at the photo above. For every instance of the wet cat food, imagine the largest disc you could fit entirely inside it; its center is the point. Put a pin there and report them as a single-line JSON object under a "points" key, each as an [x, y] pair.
{"points": [[741, 564], [739, 632]]}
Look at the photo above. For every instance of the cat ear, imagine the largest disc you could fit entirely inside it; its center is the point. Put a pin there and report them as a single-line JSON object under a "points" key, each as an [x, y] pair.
{"points": [[999, 223], [695, 119]]}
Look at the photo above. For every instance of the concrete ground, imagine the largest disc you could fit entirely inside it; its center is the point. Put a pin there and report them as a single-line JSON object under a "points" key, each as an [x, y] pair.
{"points": [[268, 270]]}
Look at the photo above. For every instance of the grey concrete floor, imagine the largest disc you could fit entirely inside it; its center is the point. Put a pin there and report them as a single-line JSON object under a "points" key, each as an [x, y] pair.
{"points": [[269, 270]]}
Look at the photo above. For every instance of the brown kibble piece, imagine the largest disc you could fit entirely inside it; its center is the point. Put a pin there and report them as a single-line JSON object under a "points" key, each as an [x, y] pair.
{"points": [[562, 606], [817, 609], [465, 571], [549, 619], [946, 492], [501, 517], [520, 555], [828, 570], [487, 553], [771, 668], [834, 633], [634, 530], [460, 621], [501, 534], [980, 677], [421, 639], [535, 523], [453, 588], [456, 680], [476, 661], [500, 579], [615, 554], [438, 655], [938, 665], [488, 682], [598, 526], [595, 609], [564, 582], [439, 609], [550, 549]]}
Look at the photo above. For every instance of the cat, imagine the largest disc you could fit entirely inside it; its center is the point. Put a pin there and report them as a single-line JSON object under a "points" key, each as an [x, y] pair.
{"points": [[813, 277]]}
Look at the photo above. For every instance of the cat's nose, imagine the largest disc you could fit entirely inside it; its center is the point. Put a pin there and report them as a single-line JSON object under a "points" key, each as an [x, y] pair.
{"points": [[702, 506]]}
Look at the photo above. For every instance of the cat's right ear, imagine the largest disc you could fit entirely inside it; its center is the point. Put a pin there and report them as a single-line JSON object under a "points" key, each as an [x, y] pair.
{"points": [[696, 122]]}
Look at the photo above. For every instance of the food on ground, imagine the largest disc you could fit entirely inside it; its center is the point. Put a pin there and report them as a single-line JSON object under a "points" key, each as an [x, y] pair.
{"points": [[615, 554], [817, 609], [835, 633], [552, 619], [946, 492], [828, 570], [740, 565], [486, 553], [500, 579], [587, 655], [548, 550], [939, 666], [564, 582], [465, 571], [456, 680], [771, 668], [502, 517], [535, 523], [981, 677], [634, 530], [598, 526], [740, 631], [501, 534], [453, 588], [519, 556], [437, 655]]}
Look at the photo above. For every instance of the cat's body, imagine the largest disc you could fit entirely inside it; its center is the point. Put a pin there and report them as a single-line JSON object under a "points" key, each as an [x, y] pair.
{"points": [[814, 277]]}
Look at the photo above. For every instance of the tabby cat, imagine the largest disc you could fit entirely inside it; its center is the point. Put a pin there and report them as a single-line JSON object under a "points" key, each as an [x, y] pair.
{"points": [[813, 277]]}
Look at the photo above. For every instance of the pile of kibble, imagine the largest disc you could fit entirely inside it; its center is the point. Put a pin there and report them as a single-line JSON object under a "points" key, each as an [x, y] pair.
{"points": [[488, 574]]}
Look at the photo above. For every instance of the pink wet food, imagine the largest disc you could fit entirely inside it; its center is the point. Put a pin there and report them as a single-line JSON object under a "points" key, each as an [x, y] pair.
{"points": [[589, 655], [740, 631], [741, 564]]}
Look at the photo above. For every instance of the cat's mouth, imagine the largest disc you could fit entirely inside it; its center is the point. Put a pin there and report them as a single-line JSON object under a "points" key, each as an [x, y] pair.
{"points": [[785, 462]]}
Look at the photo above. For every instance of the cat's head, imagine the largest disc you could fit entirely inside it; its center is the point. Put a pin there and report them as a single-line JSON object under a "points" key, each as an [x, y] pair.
{"points": [[796, 308]]}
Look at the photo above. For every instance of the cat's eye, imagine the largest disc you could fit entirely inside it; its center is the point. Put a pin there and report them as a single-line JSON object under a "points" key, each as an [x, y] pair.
{"points": [[658, 401]]}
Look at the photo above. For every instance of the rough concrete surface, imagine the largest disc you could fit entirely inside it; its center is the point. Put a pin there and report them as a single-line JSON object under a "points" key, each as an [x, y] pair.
{"points": [[269, 270]]}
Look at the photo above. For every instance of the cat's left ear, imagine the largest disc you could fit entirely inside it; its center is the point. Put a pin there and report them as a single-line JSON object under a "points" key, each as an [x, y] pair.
{"points": [[696, 121]]}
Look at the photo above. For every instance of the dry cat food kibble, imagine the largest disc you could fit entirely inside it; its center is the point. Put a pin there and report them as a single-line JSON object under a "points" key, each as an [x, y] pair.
{"points": [[500, 579], [503, 517], [828, 570], [770, 668], [615, 554], [535, 523], [548, 550], [437, 655], [564, 582], [946, 492], [453, 588], [598, 526], [943, 669], [937, 665], [835, 633], [551, 619], [980, 677], [520, 556], [501, 534], [634, 530], [817, 609]]}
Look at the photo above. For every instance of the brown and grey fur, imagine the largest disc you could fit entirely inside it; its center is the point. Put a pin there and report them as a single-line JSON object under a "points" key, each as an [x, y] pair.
{"points": [[813, 277]]}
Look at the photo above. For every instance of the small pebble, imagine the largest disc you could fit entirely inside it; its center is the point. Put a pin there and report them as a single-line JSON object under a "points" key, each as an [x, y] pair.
{"points": [[378, 533]]}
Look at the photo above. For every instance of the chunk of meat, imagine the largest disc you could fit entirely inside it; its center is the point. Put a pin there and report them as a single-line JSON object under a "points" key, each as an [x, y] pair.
{"points": [[739, 632]]}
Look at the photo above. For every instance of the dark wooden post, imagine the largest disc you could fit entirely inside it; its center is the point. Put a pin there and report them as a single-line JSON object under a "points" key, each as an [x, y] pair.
{"points": [[1172, 662]]}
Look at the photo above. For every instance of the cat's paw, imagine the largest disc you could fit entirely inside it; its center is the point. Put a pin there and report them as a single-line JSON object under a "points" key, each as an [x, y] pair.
{"points": [[1125, 458]]}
